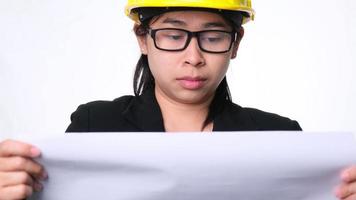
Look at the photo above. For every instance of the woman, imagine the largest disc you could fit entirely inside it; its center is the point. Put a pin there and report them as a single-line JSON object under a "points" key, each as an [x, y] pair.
{"points": [[179, 85], [180, 82]]}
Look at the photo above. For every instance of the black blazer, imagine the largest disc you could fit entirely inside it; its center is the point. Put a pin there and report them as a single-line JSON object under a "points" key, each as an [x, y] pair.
{"points": [[142, 113]]}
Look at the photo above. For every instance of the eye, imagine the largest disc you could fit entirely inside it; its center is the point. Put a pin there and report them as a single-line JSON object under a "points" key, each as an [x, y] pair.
{"points": [[211, 39], [173, 36], [214, 37]]}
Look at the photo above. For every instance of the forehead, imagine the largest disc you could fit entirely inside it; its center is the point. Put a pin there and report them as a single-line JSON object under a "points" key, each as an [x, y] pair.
{"points": [[191, 19]]}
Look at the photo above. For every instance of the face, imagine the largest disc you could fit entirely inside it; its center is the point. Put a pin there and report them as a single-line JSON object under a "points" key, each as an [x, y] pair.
{"points": [[190, 76]]}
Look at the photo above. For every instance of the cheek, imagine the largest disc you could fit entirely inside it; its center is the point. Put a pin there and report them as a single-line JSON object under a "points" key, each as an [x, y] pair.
{"points": [[160, 65], [219, 66], [154, 60]]}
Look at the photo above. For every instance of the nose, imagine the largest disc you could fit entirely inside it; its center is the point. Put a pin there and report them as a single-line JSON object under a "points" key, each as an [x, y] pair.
{"points": [[193, 54]]}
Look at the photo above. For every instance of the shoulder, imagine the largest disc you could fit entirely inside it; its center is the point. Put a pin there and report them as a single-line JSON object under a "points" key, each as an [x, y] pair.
{"points": [[107, 107], [254, 119], [271, 121], [99, 115]]}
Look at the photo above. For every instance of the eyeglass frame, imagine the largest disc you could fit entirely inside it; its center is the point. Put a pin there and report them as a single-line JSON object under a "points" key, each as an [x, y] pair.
{"points": [[191, 34]]}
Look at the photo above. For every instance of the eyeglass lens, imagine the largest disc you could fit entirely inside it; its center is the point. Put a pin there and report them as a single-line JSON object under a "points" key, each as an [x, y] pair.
{"points": [[177, 39]]}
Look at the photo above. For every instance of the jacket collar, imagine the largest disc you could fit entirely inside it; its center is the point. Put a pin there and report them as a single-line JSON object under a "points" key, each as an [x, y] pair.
{"points": [[233, 118], [145, 113]]}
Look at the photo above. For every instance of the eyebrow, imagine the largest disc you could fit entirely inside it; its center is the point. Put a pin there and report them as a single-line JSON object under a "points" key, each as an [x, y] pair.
{"points": [[215, 25], [176, 22]]}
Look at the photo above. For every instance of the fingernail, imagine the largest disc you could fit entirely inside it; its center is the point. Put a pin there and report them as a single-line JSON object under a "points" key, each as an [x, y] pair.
{"points": [[35, 152], [38, 187], [44, 175], [337, 192], [345, 176]]}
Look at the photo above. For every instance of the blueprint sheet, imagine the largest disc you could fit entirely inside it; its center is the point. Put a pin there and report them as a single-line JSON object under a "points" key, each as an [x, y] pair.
{"points": [[194, 166]]}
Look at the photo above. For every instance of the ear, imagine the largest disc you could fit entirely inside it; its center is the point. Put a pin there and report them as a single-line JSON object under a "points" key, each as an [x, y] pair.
{"points": [[141, 39], [239, 36], [142, 42]]}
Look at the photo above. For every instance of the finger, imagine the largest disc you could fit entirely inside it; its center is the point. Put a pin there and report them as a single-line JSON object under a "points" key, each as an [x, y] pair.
{"points": [[349, 174], [15, 178], [37, 186], [16, 192], [351, 197], [19, 178], [15, 148], [13, 164], [346, 190]]}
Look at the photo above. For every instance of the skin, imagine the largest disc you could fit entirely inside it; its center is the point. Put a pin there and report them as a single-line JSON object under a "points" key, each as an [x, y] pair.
{"points": [[20, 175], [347, 189], [184, 108]]}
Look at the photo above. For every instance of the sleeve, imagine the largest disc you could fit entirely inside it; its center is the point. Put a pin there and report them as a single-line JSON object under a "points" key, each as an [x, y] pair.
{"points": [[296, 126], [79, 120]]}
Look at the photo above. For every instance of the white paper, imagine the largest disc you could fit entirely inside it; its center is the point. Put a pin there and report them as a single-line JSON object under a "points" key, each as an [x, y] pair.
{"points": [[195, 166]]}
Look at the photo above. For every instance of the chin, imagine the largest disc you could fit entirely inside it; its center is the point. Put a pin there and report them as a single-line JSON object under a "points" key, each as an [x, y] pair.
{"points": [[192, 98]]}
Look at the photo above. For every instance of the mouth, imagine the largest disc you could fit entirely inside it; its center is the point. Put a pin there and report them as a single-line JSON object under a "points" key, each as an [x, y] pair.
{"points": [[191, 83]]}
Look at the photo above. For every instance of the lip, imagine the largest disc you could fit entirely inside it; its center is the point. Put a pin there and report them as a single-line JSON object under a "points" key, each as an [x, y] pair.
{"points": [[191, 83]]}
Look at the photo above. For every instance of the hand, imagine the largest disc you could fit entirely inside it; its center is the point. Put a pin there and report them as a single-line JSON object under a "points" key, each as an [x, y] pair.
{"points": [[20, 175], [347, 189]]}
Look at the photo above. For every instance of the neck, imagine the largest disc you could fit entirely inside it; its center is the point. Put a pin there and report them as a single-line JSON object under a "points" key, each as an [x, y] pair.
{"points": [[183, 117]]}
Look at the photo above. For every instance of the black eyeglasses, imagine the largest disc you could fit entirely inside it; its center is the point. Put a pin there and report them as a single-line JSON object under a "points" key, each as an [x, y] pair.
{"points": [[211, 41]]}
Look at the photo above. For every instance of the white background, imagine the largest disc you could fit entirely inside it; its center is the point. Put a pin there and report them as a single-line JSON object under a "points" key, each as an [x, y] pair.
{"points": [[297, 59]]}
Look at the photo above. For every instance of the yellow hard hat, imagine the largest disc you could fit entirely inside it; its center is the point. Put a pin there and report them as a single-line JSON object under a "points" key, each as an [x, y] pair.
{"points": [[230, 5]]}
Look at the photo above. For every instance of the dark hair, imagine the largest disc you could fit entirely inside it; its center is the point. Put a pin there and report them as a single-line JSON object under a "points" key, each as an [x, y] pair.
{"points": [[143, 78]]}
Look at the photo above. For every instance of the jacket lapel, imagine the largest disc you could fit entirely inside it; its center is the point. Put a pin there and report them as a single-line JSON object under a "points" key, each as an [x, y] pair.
{"points": [[233, 118], [144, 113]]}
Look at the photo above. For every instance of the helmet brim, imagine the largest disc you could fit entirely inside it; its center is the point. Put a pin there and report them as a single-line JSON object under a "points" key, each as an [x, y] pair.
{"points": [[147, 13]]}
